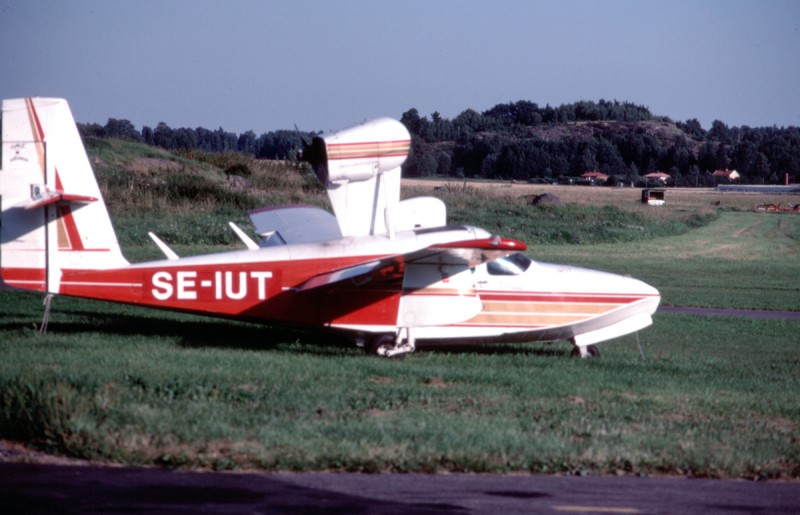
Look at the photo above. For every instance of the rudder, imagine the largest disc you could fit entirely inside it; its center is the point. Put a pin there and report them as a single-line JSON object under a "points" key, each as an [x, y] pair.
{"points": [[53, 214]]}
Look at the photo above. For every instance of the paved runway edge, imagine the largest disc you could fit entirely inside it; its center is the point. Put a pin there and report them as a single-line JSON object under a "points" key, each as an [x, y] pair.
{"points": [[749, 313], [36, 488]]}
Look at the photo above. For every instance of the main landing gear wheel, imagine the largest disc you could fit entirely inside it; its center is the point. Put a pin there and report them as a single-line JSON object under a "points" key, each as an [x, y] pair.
{"points": [[591, 352], [379, 345]]}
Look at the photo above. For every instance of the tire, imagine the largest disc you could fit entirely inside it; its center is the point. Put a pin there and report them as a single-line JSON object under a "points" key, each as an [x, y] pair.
{"points": [[381, 341], [594, 352]]}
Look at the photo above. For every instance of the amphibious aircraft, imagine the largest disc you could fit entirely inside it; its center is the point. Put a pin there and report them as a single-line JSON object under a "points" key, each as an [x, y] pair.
{"points": [[384, 272]]}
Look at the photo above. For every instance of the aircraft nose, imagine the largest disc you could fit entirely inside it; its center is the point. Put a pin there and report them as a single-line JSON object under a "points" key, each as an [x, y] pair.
{"points": [[650, 294], [624, 284], [595, 282], [642, 287], [635, 297]]}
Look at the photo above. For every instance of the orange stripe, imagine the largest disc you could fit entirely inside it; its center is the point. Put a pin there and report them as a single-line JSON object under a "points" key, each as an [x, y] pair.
{"points": [[536, 320], [368, 150], [441, 292], [67, 227], [38, 134], [547, 307]]}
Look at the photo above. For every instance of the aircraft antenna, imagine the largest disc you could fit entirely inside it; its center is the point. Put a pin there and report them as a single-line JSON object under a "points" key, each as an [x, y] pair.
{"points": [[641, 352], [48, 299]]}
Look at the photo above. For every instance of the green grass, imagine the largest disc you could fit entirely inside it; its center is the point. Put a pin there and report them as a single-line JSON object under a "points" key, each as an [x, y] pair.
{"points": [[741, 260], [133, 386], [509, 215], [714, 396], [187, 199]]}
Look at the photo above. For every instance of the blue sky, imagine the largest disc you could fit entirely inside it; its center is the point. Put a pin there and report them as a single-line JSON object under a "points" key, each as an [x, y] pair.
{"points": [[323, 65]]}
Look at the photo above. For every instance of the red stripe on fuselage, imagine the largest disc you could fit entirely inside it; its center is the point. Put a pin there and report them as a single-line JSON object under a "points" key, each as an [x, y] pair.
{"points": [[556, 297], [257, 291], [26, 278]]}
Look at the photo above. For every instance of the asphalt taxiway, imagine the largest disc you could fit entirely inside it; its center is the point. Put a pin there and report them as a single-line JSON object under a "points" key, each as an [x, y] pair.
{"points": [[39, 488]]}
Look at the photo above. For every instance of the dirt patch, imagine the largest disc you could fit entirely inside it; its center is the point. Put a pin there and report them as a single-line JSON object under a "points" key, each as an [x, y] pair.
{"points": [[380, 380], [376, 413], [784, 426], [750, 230], [436, 382], [17, 452]]}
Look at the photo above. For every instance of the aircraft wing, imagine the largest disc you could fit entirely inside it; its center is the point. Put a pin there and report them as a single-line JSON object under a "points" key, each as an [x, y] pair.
{"points": [[466, 254]]}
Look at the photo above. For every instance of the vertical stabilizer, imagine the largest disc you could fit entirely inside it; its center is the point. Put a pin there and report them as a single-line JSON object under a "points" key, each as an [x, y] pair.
{"points": [[53, 215]]}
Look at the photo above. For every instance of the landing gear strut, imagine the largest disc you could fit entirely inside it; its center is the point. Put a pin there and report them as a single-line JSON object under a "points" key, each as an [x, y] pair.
{"points": [[590, 351], [391, 346]]}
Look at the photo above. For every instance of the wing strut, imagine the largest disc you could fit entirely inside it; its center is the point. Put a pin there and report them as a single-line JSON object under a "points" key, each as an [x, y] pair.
{"points": [[248, 242], [168, 252]]}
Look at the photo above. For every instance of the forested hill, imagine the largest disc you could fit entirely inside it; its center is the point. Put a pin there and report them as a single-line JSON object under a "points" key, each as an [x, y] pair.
{"points": [[523, 141]]}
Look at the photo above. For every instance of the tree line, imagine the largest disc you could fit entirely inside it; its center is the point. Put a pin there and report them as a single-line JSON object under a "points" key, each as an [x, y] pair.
{"points": [[281, 144], [526, 142], [523, 141]]}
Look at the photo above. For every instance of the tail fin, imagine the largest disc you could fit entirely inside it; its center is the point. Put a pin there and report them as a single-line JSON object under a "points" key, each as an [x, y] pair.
{"points": [[53, 215]]}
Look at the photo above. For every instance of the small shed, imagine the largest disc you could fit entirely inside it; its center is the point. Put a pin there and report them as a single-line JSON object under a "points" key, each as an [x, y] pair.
{"points": [[731, 175], [658, 176], [654, 196], [592, 178]]}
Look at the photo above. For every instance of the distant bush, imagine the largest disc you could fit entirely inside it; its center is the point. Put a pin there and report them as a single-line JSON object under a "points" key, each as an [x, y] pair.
{"points": [[239, 169], [568, 223]]}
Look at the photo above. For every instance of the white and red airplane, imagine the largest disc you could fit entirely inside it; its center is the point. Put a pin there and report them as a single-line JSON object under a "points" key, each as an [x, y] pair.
{"points": [[385, 272]]}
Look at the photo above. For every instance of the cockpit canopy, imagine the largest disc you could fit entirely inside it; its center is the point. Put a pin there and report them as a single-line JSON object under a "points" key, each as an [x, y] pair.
{"points": [[514, 264]]}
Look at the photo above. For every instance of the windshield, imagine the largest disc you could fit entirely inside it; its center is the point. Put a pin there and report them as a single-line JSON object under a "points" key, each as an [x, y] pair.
{"points": [[514, 264]]}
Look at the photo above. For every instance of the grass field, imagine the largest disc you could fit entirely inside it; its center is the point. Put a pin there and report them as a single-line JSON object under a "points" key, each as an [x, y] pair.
{"points": [[742, 260], [706, 396], [713, 397]]}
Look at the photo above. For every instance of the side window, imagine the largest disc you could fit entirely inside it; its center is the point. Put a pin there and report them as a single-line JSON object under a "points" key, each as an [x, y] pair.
{"points": [[502, 267], [522, 261], [514, 264]]}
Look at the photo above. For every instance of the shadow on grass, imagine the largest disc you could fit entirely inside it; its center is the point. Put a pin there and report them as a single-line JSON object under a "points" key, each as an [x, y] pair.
{"points": [[526, 349], [77, 316], [234, 335], [189, 333]]}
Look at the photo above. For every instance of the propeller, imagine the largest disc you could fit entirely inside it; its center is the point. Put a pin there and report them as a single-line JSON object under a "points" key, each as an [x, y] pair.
{"points": [[315, 153]]}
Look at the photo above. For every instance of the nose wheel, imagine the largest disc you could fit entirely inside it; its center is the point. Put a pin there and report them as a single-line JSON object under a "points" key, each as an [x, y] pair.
{"points": [[589, 351]]}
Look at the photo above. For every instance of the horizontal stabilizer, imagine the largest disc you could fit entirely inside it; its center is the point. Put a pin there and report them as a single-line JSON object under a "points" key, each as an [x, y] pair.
{"points": [[44, 198]]}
